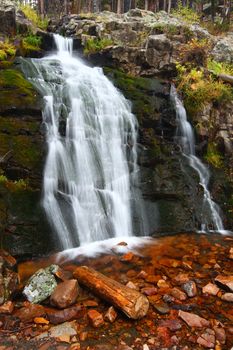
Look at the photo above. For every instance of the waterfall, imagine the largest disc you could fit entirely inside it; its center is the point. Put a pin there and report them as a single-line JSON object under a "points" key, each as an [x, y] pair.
{"points": [[185, 136], [90, 175]]}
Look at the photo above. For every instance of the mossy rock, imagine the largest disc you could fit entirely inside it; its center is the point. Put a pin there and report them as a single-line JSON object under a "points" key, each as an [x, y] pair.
{"points": [[16, 91]]}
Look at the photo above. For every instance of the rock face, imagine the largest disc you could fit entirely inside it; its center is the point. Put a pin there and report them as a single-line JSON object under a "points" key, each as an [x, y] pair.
{"points": [[7, 17], [223, 50]]}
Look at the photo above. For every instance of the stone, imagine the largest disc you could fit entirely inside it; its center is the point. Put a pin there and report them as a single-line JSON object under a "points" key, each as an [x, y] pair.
{"points": [[63, 274], [178, 294], [28, 313], [193, 320], [110, 315], [162, 284], [223, 50], [207, 339], [173, 325], [142, 274], [225, 282], [7, 308], [181, 278], [65, 294], [131, 285], [161, 308], [67, 328], [220, 334], [41, 285], [149, 291], [190, 288], [231, 253], [71, 313], [211, 289], [227, 297], [95, 318], [127, 257]]}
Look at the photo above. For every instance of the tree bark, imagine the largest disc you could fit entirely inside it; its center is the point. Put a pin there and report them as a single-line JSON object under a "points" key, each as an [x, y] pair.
{"points": [[146, 5], [118, 6], [134, 304]]}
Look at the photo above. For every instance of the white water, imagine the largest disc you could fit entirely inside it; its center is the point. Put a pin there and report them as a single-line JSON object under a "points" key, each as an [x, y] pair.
{"points": [[91, 167], [185, 136]]}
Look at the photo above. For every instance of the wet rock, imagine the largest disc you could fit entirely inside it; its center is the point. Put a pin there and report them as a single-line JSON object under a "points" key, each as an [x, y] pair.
{"points": [[227, 297], [95, 318], [63, 274], [178, 294], [110, 315], [220, 334], [207, 339], [65, 294], [90, 303], [193, 320], [181, 278], [211, 289], [28, 313], [161, 308], [149, 291], [225, 282], [127, 257], [173, 325], [190, 288], [61, 316], [41, 285], [7, 308]]}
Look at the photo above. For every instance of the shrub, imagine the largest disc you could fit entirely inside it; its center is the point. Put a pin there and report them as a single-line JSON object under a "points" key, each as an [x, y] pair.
{"points": [[32, 41], [186, 13], [199, 89], [3, 55], [195, 52], [213, 156], [94, 45], [18, 185], [6, 49], [32, 15], [219, 67]]}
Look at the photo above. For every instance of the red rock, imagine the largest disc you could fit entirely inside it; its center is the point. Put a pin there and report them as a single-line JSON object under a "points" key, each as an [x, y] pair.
{"points": [[131, 285], [178, 294], [220, 334], [127, 257], [225, 282], [193, 320], [110, 315], [60, 316], [227, 297], [169, 262], [190, 288], [162, 284], [211, 289], [27, 314], [83, 336], [173, 325], [161, 308], [181, 278], [207, 339], [7, 308], [90, 303], [96, 318], [149, 291], [142, 274], [65, 294], [164, 335], [63, 274]]}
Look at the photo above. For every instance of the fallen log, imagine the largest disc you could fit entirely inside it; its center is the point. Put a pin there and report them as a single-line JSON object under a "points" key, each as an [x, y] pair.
{"points": [[134, 304], [226, 78]]}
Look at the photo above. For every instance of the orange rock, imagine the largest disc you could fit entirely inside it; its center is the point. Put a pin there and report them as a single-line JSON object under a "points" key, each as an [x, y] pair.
{"points": [[60, 316], [225, 282], [40, 320], [27, 314], [65, 294], [63, 274], [83, 336], [96, 318], [127, 257], [178, 294], [193, 320], [7, 308], [111, 314], [90, 303], [211, 289]]}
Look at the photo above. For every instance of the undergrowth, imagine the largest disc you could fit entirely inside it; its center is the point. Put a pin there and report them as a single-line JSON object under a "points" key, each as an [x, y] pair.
{"points": [[32, 15], [186, 14], [94, 45], [213, 156]]}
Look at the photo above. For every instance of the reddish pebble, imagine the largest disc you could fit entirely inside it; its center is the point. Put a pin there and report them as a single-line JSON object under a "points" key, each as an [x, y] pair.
{"points": [[110, 315], [178, 294], [149, 291], [193, 320], [7, 308], [211, 289], [95, 318]]}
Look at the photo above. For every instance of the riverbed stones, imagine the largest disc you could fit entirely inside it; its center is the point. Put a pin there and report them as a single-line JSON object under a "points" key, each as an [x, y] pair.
{"points": [[225, 282], [193, 320], [65, 294], [110, 315], [211, 289], [41, 285], [190, 288], [29, 312], [96, 318], [60, 316]]}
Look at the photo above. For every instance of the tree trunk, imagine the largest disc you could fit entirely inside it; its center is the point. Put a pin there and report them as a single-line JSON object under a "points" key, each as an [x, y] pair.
{"points": [[213, 10], [169, 6], [134, 304], [118, 6], [146, 5]]}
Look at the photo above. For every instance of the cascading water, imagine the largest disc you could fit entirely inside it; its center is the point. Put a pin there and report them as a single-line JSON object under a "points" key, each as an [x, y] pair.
{"points": [[91, 167], [210, 211]]}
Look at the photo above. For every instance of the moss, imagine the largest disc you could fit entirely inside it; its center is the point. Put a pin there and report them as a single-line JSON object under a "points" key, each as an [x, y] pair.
{"points": [[3, 55], [15, 90], [213, 156], [31, 43], [94, 45]]}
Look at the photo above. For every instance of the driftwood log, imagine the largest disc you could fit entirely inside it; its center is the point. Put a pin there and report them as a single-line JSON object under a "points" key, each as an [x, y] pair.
{"points": [[134, 304], [224, 77]]}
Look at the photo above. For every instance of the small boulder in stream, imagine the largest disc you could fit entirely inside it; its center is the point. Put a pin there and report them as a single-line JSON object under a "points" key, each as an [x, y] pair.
{"points": [[41, 285]]}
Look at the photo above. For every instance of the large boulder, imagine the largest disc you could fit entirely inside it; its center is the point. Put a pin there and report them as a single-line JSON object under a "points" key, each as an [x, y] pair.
{"points": [[7, 17], [223, 50], [158, 50]]}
